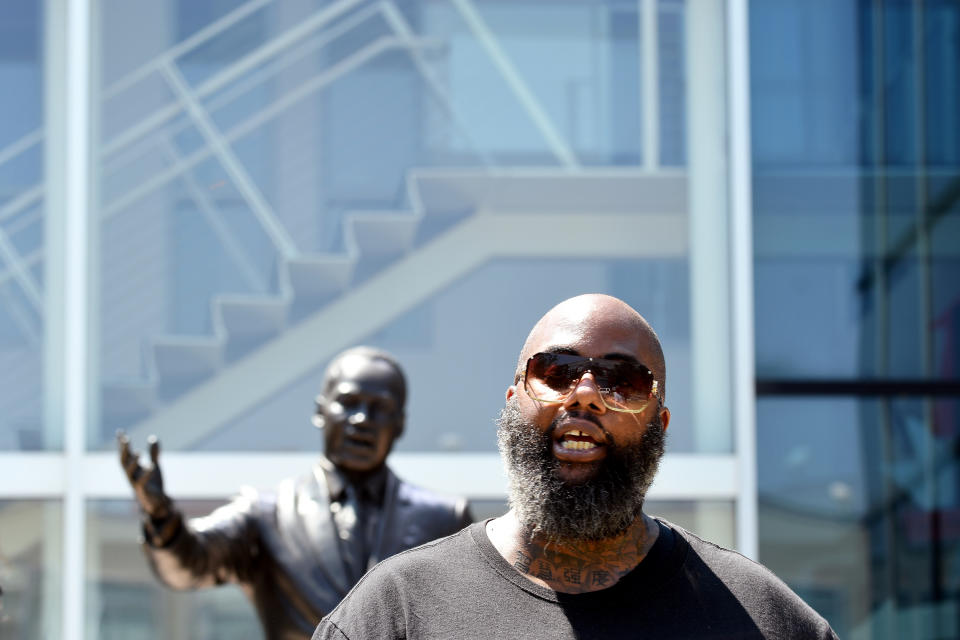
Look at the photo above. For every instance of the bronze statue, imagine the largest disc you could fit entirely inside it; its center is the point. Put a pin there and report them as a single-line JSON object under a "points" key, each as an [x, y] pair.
{"points": [[298, 549]]}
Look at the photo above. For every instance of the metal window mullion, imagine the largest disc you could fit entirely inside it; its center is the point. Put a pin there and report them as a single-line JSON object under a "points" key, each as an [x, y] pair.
{"points": [[67, 120], [741, 251], [218, 475]]}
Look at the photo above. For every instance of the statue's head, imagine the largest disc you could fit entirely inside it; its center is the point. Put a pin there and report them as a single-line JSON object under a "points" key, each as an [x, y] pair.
{"points": [[361, 409]]}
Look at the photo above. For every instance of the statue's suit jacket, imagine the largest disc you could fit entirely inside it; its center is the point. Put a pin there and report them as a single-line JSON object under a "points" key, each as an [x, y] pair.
{"points": [[281, 547]]}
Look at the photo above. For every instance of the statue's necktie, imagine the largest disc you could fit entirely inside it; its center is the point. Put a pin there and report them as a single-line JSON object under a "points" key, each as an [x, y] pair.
{"points": [[351, 527]]}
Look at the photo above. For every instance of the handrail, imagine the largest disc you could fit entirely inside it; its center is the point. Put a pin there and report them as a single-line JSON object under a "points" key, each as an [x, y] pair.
{"points": [[213, 29], [200, 37], [228, 159], [318, 82], [511, 76], [220, 79], [250, 80], [275, 230]]}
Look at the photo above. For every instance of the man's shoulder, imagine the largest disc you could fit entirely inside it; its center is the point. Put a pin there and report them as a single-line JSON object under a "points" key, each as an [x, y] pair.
{"points": [[764, 595], [423, 567], [726, 563], [388, 595], [435, 553]]}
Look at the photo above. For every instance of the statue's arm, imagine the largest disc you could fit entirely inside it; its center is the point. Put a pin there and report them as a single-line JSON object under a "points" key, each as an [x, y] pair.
{"points": [[215, 549]]}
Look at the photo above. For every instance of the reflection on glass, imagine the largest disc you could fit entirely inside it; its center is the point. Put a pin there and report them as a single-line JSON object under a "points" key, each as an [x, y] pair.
{"points": [[131, 602], [22, 229], [30, 547], [459, 352], [260, 163], [860, 510], [710, 519]]}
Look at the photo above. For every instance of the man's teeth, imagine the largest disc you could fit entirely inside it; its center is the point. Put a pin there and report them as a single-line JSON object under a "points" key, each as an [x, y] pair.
{"points": [[578, 445], [574, 444]]}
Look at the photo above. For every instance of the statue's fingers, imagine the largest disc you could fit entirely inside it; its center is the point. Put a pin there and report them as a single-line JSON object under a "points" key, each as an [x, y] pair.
{"points": [[154, 450], [132, 465], [123, 446], [141, 477]]}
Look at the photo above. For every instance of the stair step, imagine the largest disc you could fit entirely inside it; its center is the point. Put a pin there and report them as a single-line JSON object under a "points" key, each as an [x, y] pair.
{"points": [[184, 361], [320, 276], [246, 316], [381, 234], [249, 321]]}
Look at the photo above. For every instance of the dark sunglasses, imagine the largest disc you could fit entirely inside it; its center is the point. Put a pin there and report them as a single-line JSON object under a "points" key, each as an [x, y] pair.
{"points": [[624, 385]]}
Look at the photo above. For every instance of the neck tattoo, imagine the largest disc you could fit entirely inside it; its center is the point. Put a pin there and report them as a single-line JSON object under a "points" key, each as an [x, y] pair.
{"points": [[580, 566]]}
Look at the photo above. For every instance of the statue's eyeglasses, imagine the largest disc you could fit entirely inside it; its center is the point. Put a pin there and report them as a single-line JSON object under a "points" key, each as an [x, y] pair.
{"points": [[624, 385]]}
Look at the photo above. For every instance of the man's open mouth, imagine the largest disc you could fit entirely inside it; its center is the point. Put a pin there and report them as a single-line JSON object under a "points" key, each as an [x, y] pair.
{"points": [[577, 440]]}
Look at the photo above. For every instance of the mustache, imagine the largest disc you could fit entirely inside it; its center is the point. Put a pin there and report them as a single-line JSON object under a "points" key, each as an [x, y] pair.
{"points": [[578, 415]]}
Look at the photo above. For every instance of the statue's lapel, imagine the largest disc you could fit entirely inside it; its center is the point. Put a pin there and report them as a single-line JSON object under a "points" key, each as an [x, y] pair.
{"points": [[317, 533]]}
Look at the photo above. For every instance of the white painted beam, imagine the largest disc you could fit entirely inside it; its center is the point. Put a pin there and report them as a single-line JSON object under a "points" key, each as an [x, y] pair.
{"points": [[196, 476]]}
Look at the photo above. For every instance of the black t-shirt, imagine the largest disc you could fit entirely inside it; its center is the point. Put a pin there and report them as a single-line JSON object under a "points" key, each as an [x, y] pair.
{"points": [[461, 587]]}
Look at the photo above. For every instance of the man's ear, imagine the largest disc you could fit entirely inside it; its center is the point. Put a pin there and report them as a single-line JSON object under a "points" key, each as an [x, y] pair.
{"points": [[511, 391], [401, 423], [665, 417], [317, 419]]}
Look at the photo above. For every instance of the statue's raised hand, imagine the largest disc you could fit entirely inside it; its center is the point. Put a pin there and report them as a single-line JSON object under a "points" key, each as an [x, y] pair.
{"points": [[146, 480]]}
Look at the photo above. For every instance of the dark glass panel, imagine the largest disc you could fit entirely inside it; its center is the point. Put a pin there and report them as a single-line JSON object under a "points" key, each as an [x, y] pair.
{"points": [[860, 510]]}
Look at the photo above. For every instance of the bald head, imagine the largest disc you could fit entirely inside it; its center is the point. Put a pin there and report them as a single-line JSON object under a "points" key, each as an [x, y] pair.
{"points": [[606, 323]]}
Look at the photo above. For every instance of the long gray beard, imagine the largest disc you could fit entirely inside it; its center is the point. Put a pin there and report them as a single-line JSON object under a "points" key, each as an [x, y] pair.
{"points": [[599, 508]]}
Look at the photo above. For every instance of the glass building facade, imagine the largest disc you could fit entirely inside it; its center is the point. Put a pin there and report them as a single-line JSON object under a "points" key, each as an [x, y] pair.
{"points": [[201, 203], [856, 211]]}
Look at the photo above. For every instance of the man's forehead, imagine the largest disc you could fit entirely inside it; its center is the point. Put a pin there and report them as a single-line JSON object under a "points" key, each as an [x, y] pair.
{"points": [[582, 320], [589, 338]]}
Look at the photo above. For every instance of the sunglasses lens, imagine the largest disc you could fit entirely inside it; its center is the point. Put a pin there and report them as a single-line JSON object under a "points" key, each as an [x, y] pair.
{"points": [[551, 376], [624, 386], [627, 381]]}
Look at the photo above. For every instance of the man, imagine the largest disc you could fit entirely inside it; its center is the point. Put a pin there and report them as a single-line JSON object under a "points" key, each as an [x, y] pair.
{"points": [[297, 550], [581, 435]]}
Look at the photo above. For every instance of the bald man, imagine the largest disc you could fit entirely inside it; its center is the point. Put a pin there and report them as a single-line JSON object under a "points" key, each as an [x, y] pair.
{"points": [[298, 549], [581, 436]]}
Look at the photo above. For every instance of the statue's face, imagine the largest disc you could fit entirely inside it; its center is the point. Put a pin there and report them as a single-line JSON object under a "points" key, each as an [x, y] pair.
{"points": [[361, 412]]}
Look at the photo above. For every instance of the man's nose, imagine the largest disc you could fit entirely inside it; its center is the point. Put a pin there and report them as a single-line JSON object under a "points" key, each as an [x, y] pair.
{"points": [[586, 395]]}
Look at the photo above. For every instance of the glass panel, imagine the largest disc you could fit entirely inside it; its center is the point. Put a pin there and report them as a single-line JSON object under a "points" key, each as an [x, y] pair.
{"points": [[712, 520], [132, 604], [266, 166], [22, 229], [451, 369], [856, 207], [860, 510], [30, 547]]}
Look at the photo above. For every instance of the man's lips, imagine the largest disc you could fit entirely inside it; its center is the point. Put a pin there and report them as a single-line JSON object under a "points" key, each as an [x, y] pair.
{"points": [[579, 440]]}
